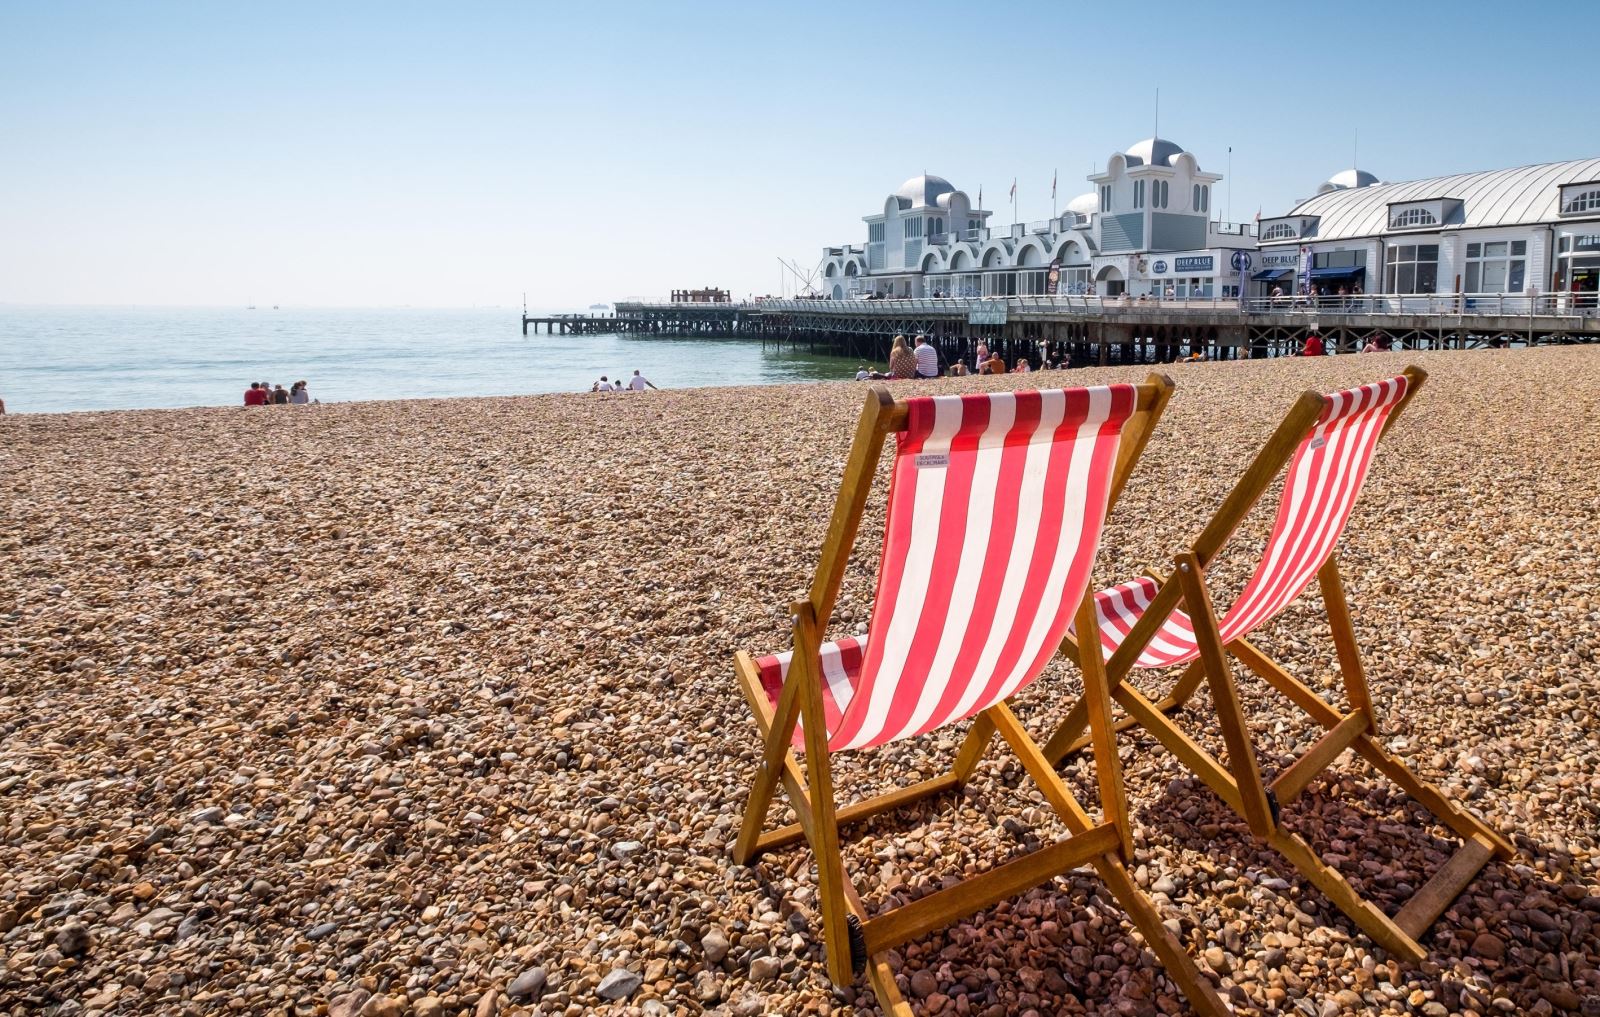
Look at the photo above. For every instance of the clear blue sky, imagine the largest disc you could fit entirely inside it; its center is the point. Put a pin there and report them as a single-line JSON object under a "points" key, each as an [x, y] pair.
{"points": [[451, 154]]}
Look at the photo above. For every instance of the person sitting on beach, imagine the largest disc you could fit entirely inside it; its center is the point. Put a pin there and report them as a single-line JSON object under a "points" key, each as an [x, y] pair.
{"points": [[1023, 367], [254, 395], [603, 385], [927, 358], [902, 362], [298, 395], [959, 370], [1313, 346], [994, 365], [280, 396], [638, 382]]}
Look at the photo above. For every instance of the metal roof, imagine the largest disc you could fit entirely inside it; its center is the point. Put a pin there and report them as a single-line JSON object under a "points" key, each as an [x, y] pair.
{"points": [[1508, 197]]}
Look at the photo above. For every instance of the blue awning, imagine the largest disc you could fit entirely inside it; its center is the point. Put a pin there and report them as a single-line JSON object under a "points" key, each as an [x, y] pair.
{"points": [[1338, 272], [1273, 274]]}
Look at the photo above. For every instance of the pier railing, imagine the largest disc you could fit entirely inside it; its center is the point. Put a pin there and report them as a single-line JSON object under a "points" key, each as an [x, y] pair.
{"points": [[1496, 305]]}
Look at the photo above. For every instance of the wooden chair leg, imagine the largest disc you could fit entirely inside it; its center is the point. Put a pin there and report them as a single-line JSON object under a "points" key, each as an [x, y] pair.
{"points": [[972, 748], [1069, 738], [1179, 966], [1464, 823], [1107, 764], [1334, 886], [1344, 641], [1480, 843], [1175, 960], [1225, 697]]}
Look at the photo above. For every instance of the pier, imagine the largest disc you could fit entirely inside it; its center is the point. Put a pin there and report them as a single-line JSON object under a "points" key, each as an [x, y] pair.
{"points": [[1106, 330]]}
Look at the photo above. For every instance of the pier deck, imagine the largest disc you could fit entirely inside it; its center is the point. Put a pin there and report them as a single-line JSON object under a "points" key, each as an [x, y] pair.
{"points": [[1102, 330]]}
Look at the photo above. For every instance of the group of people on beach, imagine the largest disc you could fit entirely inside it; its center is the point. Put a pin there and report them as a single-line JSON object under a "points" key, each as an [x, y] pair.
{"points": [[922, 361], [261, 393], [638, 383], [1377, 342]]}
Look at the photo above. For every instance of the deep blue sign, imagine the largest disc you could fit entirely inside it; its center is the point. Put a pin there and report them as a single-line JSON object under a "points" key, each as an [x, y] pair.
{"points": [[1241, 261], [1201, 263]]}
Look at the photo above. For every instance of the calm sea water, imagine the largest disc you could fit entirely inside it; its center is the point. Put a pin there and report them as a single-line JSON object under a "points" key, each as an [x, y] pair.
{"points": [[55, 359]]}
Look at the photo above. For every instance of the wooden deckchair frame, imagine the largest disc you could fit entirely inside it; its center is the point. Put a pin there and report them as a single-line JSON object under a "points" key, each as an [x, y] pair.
{"points": [[1239, 782], [854, 941]]}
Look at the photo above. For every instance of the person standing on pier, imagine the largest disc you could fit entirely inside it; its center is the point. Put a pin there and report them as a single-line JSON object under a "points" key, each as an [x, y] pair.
{"points": [[927, 358]]}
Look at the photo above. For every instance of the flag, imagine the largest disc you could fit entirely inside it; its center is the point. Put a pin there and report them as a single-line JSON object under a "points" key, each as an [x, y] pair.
{"points": [[1258, 213], [1053, 175], [1013, 188]]}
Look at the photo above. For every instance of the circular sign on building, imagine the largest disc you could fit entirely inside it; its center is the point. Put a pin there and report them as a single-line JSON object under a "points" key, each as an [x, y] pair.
{"points": [[1159, 267], [1241, 261]]}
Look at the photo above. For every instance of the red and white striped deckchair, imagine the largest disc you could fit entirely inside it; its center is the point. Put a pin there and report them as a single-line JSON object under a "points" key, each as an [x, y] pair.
{"points": [[995, 509], [1149, 623]]}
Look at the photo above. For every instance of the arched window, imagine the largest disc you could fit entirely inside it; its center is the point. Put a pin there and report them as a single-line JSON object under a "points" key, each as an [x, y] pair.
{"points": [[1585, 201], [1412, 217], [1197, 197], [1205, 198], [1105, 197], [1138, 194], [1279, 231]]}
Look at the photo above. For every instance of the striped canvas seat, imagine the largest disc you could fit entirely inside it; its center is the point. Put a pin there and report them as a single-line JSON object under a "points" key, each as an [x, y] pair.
{"points": [[1319, 493], [996, 505]]}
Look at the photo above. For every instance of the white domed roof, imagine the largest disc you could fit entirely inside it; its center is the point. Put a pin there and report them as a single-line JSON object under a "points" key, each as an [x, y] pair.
{"points": [[1153, 152], [1348, 179], [924, 190], [1085, 204]]}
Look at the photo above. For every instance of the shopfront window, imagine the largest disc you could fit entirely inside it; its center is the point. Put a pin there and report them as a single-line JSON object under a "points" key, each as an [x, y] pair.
{"points": [[1413, 268], [1498, 267], [1000, 284]]}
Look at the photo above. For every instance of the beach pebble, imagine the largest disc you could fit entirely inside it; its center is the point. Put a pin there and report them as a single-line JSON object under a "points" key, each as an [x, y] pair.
{"points": [[428, 707]]}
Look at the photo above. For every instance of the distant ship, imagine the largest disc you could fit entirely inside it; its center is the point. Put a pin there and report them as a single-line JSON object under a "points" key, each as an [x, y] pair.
{"points": [[599, 307]]}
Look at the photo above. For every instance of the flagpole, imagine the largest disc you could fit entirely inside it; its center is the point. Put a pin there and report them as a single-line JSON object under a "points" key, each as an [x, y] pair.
{"points": [[1055, 209], [1230, 183]]}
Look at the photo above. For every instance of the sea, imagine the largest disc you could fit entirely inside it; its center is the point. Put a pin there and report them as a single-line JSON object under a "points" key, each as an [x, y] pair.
{"points": [[63, 359]]}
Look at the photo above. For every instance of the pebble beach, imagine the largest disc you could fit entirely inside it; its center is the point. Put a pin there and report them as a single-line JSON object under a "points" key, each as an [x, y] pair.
{"points": [[426, 708]]}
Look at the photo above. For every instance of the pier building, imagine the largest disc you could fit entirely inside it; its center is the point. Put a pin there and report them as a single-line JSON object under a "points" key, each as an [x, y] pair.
{"points": [[1524, 232], [1146, 229]]}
